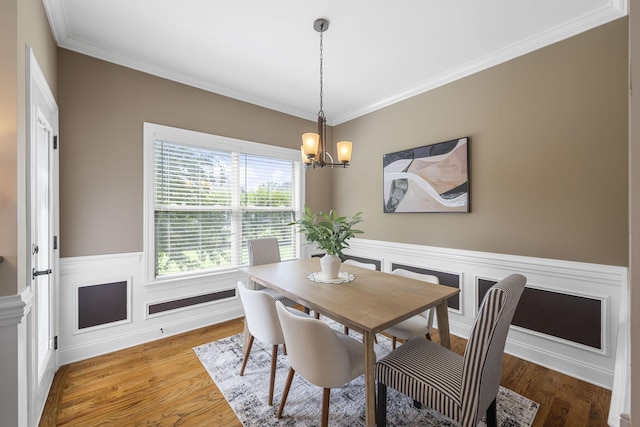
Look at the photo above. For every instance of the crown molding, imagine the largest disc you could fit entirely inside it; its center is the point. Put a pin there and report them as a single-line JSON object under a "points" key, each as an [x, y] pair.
{"points": [[65, 39], [616, 9]]}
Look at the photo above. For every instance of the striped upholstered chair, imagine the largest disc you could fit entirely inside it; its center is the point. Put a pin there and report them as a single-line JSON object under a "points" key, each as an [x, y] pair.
{"points": [[460, 387]]}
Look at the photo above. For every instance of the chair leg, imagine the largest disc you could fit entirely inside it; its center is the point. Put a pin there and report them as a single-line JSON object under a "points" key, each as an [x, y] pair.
{"points": [[346, 330], [492, 415], [393, 342], [246, 355], [326, 392], [272, 380], [317, 315], [375, 339], [285, 392], [382, 405]]}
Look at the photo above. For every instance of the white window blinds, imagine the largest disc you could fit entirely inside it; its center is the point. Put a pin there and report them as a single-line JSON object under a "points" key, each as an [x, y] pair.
{"points": [[208, 202]]}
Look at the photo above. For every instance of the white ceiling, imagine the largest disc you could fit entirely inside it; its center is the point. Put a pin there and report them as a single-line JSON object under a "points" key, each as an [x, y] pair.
{"points": [[376, 52]]}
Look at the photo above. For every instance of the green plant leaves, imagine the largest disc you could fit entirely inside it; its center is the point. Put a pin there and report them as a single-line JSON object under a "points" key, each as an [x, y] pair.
{"points": [[329, 231]]}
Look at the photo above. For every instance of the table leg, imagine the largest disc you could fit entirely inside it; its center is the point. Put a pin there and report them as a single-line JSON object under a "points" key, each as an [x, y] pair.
{"points": [[442, 311], [370, 379]]}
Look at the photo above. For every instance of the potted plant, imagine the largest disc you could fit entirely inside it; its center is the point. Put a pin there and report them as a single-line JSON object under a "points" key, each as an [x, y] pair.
{"points": [[330, 233]]}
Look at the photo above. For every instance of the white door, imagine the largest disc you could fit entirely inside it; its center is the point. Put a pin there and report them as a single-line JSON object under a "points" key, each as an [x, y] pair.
{"points": [[43, 225]]}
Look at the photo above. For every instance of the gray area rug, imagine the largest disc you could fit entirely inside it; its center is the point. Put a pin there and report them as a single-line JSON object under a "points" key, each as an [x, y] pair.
{"points": [[248, 394]]}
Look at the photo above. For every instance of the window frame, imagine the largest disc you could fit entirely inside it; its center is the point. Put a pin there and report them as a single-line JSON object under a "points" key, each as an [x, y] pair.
{"points": [[153, 132]]}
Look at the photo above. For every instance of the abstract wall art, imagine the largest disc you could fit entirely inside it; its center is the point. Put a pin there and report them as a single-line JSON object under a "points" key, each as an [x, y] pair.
{"points": [[431, 178]]}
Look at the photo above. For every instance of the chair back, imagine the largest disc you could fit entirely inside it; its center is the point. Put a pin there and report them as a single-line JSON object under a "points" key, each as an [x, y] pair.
{"points": [[482, 366], [314, 350], [263, 251], [427, 314], [261, 315], [355, 263]]}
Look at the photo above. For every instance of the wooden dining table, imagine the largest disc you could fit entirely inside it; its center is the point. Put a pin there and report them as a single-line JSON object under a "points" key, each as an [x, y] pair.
{"points": [[370, 303]]}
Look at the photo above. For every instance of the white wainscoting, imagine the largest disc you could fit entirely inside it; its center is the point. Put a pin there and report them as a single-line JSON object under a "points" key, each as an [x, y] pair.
{"points": [[601, 282], [77, 344]]}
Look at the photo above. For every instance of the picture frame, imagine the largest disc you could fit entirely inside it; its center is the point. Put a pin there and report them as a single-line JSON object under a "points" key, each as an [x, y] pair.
{"points": [[429, 178]]}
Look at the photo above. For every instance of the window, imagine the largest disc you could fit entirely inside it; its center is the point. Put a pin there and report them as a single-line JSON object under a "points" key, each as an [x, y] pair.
{"points": [[206, 195]]}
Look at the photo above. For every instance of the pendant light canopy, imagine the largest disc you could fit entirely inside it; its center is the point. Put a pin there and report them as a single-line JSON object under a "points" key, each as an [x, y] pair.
{"points": [[314, 149]]}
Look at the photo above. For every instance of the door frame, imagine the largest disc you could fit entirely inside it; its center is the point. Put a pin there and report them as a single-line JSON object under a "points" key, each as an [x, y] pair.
{"points": [[37, 84]]}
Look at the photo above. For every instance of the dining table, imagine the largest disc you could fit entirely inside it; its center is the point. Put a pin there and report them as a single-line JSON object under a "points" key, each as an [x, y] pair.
{"points": [[367, 301]]}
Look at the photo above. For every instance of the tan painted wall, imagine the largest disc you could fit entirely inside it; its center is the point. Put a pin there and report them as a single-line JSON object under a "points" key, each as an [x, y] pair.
{"points": [[634, 197], [548, 155], [102, 110], [8, 146], [548, 152], [22, 23]]}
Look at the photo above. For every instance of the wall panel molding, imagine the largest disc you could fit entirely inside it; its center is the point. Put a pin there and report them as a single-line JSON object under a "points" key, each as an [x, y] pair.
{"points": [[138, 327], [563, 277], [604, 283]]}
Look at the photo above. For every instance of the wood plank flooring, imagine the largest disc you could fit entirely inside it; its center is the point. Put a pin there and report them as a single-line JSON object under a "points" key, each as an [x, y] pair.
{"points": [[163, 383]]}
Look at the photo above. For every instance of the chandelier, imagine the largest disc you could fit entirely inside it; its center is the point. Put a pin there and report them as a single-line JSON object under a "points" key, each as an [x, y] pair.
{"points": [[314, 149]]}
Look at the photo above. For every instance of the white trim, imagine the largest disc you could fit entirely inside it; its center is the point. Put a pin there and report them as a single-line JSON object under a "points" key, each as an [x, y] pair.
{"points": [[621, 391], [12, 309], [120, 341], [98, 269], [60, 29], [153, 132], [574, 278], [41, 107], [617, 9], [97, 263], [602, 282]]}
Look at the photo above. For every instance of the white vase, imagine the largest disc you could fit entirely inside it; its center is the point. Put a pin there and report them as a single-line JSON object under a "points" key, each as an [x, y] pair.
{"points": [[330, 265]]}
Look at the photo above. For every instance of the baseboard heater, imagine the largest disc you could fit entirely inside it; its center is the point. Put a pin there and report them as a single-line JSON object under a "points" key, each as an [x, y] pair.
{"points": [[188, 302]]}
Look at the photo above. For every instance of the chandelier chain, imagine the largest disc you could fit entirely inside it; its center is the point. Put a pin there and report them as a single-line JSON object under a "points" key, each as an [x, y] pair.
{"points": [[321, 112]]}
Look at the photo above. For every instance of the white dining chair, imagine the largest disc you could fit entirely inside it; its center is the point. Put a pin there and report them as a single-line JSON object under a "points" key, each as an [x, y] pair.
{"points": [[320, 355], [262, 323], [418, 325], [367, 265], [264, 251]]}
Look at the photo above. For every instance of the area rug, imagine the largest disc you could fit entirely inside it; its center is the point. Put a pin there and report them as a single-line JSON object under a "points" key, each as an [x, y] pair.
{"points": [[247, 395]]}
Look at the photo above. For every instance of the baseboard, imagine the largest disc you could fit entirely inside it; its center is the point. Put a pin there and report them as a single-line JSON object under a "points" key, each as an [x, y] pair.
{"points": [[88, 349]]}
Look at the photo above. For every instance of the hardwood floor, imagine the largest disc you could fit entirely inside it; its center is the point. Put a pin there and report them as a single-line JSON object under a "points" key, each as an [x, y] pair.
{"points": [[163, 383]]}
